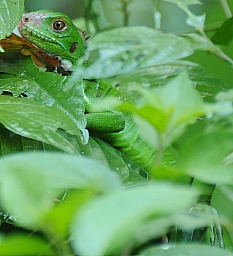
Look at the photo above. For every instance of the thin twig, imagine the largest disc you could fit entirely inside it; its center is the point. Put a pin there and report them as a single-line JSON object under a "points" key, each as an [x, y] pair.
{"points": [[217, 51], [124, 9], [157, 14], [226, 8]]}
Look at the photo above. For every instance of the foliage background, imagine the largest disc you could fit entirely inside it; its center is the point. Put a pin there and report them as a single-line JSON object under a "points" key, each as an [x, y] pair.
{"points": [[142, 13], [108, 14]]}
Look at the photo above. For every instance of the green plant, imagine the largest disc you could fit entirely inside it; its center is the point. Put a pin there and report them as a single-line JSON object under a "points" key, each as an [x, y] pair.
{"points": [[76, 204]]}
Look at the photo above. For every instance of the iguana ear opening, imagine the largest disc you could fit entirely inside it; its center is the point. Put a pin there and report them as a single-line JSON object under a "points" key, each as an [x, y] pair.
{"points": [[73, 47]]}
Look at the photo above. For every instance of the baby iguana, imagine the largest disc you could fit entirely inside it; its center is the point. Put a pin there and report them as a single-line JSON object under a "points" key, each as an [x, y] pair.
{"points": [[58, 41], [54, 34]]}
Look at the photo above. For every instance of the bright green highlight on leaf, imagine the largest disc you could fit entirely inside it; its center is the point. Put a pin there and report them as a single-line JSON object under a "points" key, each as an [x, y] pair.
{"points": [[22, 245]]}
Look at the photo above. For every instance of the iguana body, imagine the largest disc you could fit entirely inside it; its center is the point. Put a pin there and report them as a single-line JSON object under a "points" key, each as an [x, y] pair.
{"points": [[56, 35]]}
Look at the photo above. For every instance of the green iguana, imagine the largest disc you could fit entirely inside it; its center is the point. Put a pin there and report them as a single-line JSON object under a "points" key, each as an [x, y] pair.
{"points": [[57, 40]]}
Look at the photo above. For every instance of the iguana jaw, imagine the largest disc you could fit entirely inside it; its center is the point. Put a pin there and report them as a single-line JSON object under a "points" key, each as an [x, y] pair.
{"points": [[29, 28]]}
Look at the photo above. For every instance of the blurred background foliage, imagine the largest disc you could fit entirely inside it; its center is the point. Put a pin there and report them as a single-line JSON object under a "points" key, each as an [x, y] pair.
{"points": [[104, 14]]}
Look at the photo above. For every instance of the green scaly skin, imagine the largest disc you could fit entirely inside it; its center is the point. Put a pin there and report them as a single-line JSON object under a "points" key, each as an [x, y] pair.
{"points": [[55, 34]]}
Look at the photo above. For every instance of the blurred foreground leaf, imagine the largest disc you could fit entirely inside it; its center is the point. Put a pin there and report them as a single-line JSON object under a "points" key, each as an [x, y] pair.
{"points": [[111, 222]]}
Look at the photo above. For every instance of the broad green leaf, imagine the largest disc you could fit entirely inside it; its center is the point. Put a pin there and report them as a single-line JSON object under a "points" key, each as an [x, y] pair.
{"points": [[11, 12], [124, 49], [105, 153], [22, 245], [46, 88], [30, 181], [185, 250], [13, 143], [110, 222], [205, 157], [37, 121], [186, 222], [127, 170], [154, 76]]}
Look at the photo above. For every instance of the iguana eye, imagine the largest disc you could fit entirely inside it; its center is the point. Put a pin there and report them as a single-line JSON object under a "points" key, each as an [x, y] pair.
{"points": [[59, 26], [26, 18]]}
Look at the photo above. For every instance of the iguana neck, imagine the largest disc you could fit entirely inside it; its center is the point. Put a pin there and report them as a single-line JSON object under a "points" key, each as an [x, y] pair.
{"points": [[55, 34]]}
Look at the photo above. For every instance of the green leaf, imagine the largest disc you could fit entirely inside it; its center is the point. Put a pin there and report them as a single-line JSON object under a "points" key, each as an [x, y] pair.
{"points": [[185, 250], [124, 49], [110, 222], [30, 181], [159, 75], [46, 88], [21, 245], [37, 121], [11, 12], [127, 170], [12, 143], [206, 155]]}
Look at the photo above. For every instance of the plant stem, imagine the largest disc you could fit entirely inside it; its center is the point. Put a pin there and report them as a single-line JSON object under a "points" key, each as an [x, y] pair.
{"points": [[90, 15], [124, 9], [60, 245], [160, 152], [216, 50], [226, 8], [157, 14]]}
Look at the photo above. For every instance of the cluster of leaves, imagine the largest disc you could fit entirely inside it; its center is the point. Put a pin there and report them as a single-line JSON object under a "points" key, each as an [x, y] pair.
{"points": [[77, 204]]}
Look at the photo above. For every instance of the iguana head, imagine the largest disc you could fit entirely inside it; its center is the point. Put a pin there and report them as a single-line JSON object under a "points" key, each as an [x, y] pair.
{"points": [[55, 34]]}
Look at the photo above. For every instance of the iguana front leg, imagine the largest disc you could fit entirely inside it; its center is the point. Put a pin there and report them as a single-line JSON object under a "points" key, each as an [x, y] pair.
{"points": [[105, 122]]}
